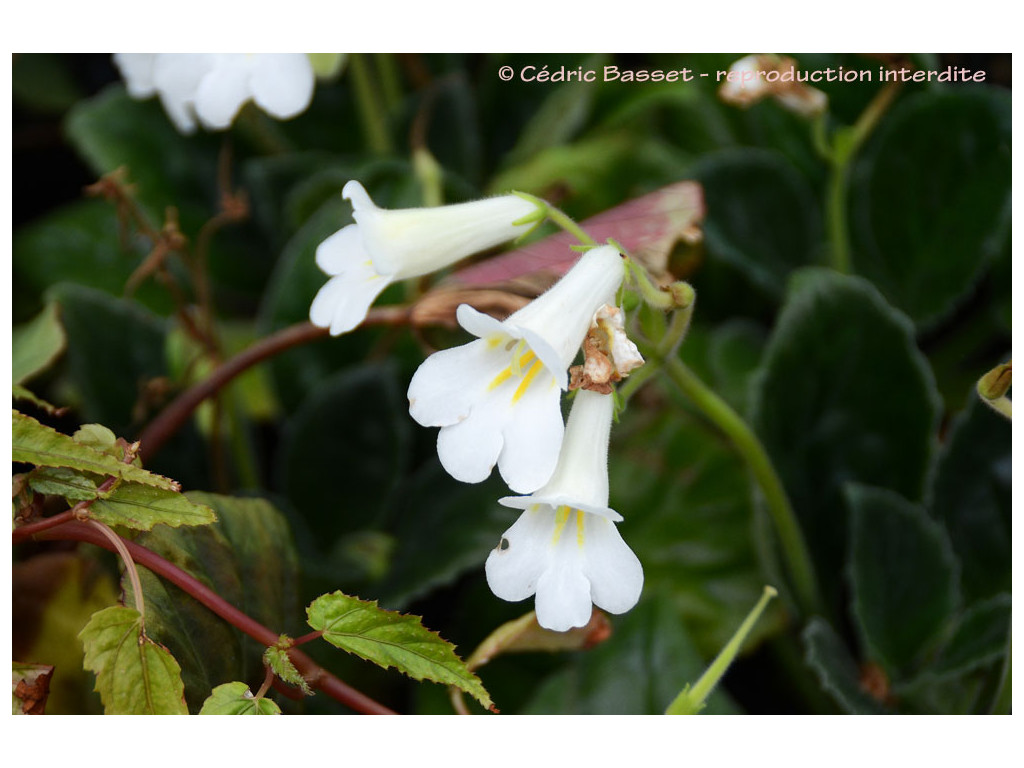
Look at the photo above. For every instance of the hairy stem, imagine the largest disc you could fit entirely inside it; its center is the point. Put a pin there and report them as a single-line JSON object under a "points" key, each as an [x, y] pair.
{"points": [[129, 567], [318, 677]]}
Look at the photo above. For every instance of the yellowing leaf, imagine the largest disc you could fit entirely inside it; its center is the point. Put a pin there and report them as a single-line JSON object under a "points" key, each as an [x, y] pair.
{"points": [[237, 699], [134, 675], [35, 443]]}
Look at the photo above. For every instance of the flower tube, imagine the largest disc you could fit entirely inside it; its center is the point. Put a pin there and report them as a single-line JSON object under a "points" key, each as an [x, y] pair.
{"points": [[384, 246], [496, 399], [565, 547]]}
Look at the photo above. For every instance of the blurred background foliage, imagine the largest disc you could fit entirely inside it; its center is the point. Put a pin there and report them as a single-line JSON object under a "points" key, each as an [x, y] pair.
{"points": [[861, 386]]}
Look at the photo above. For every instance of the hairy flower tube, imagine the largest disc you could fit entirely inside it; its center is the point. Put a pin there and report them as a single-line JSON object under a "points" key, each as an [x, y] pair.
{"points": [[383, 246], [496, 399], [211, 88], [565, 547]]}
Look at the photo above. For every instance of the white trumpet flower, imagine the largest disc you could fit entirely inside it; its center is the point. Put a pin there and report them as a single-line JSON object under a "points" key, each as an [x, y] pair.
{"points": [[496, 399], [211, 88], [565, 547], [384, 246]]}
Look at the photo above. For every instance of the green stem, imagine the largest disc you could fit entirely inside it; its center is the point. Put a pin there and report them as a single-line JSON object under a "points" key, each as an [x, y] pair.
{"points": [[369, 106], [390, 82], [753, 453], [636, 380], [559, 217], [1004, 694], [691, 700], [844, 147]]}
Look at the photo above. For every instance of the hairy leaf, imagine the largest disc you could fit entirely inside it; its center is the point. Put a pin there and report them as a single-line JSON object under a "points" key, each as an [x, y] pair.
{"points": [[237, 699], [279, 662], [134, 675], [35, 443], [141, 507], [391, 639], [836, 670]]}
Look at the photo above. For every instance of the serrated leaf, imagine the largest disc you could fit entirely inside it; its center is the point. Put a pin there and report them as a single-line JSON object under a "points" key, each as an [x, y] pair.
{"points": [[36, 344], [35, 443], [58, 481], [842, 394], [391, 639], [20, 393], [30, 688], [281, 665], [930, 198], [237, 699], [837, 672], [134, 675], [140, 507], [246, 557], [903, 575]]}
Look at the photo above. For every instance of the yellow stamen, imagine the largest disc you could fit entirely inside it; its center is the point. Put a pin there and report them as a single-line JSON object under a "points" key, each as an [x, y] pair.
{"points": [[531, 374], [579, 528], [561, 518], [501, 378]]}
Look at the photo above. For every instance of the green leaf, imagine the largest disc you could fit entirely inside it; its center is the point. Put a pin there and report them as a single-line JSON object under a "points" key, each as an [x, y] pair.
{"points": [[247, 558], [134, 675], [281, 665], [431, 501], [836, 670], [345, 451], [140, 507], [930, 198], [81, 243], [388, 638], [20, 393], [686, 497], [237, 699], [637, 671], [58, 481], [36, 344], [903, 576], [971, 494], [843, 394], [35, 443], [762, 216], [99, 437], [981, 636]]}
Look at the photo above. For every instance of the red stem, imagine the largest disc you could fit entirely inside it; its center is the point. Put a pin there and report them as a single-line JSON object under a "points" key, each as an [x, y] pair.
{"points": [[317, 676], [174, 415]]}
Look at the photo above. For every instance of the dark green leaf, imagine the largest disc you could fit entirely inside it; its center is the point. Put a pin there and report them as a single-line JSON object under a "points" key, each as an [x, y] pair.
{"points": [[970, 494], [903, 575], [842, 394], [980, 637], [930, 198], [237, 699], [345, 451], [134, 675], [639, 670], [391, 639], [836, 670], [245, 557], [35, 443], [36, 344], [761, 216]]}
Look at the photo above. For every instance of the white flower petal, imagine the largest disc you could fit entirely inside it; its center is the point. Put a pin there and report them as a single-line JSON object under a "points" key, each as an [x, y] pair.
{"points": [[137, 71], [615, 574], [282, 83], [563, 597], [480, 325], [469, 450], [176, 77], [533, 436], [341, 252], [223, 91], [447, 384], [343, 302], [514, 567]]}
